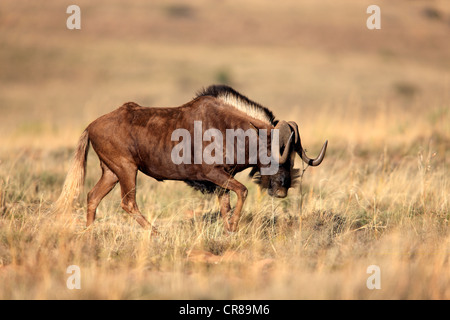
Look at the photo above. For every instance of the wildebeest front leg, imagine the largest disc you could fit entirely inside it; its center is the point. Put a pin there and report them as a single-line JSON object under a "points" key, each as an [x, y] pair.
{"points": [[225, 207], [226, 181], [242, 195]]}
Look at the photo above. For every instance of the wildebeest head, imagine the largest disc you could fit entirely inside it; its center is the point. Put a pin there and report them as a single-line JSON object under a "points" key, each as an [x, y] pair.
{"points": [[278, 184]]}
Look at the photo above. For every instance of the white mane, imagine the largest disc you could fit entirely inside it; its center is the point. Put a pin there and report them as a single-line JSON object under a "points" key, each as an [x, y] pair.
{"points": [[240, 102], [249, 109]]}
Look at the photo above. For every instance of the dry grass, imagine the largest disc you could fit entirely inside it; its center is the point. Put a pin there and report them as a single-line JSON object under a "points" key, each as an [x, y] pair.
{"points": [[381, 196]]}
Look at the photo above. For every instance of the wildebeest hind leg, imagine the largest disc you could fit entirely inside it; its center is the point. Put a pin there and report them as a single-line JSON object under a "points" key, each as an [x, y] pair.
{"points": [[127, 181], [106, 183]]}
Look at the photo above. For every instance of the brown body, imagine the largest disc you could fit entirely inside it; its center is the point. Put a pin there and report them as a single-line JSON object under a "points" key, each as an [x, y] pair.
{"points": [[134, 138]]}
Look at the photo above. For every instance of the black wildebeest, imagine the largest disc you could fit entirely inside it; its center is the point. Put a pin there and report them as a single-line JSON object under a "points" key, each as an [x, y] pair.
{"points": [[134, 138]]}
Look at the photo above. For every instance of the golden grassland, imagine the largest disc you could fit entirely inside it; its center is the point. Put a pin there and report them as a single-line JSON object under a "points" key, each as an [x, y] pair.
{"points": [[381, 196]]}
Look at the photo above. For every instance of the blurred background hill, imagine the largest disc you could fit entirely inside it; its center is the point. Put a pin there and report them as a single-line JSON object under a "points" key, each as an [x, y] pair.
{"points": [[295, 57]]}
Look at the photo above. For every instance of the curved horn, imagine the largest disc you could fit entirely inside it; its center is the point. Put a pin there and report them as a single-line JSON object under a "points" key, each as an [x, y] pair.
{"points": [[301, 152], [284, 140], [285, 155]]}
